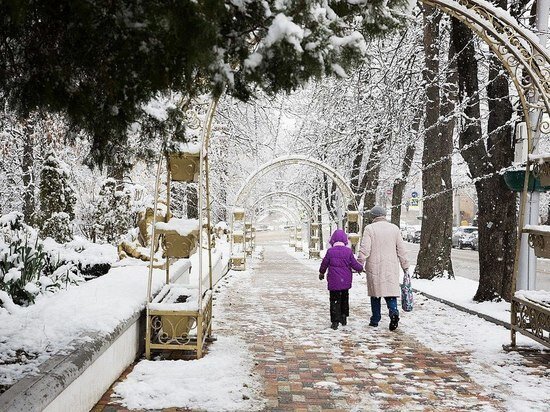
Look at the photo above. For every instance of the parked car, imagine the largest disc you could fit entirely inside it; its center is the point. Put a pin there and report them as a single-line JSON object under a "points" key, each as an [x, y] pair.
{"points": [[404, 229], [475, 239], [463, 236], [413, 234]]}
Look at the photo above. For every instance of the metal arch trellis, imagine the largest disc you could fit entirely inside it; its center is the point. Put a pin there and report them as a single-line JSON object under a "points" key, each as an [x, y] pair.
{"points": [[528, 63], [289, 214], [289, 195], [520, 52], [291, 160]]}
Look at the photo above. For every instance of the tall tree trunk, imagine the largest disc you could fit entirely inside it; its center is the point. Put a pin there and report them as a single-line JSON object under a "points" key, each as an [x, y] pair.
{"points": [[400, 183], [192, 201], [319, 212], [434, 258], [371, 178], [496, 203], [27, 168], [329, 190], [356, 168]]}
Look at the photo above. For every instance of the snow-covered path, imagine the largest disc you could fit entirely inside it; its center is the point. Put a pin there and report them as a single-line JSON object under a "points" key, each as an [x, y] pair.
{"points": [[438, 359]]}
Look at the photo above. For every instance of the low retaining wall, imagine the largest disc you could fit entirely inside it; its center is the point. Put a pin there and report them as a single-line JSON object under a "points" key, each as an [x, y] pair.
{"points": [[76, 381]]}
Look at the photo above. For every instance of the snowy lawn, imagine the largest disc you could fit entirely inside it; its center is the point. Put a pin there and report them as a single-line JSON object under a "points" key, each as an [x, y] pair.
{"points": [[221, 381], [31, 335], [56, 322], [461, 292]]}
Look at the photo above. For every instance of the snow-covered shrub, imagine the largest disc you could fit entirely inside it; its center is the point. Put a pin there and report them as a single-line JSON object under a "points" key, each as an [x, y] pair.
{"points": [[21, 263], [26, 268], [113, 212], [90, 259], [58, 227], [57, 199]]}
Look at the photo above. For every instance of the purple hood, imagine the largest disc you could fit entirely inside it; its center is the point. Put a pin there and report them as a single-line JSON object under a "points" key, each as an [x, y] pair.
{"points": [[339, 236], [339, 261]]}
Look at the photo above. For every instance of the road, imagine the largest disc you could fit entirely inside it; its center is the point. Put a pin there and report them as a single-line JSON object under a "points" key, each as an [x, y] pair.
{"points": [[466, 264]]}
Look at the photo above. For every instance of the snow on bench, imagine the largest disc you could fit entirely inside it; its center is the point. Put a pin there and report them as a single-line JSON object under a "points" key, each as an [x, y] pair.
{"points": [[538, 297]]}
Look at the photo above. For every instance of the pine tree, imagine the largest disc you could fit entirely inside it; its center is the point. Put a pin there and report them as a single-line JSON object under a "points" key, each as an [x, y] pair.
{"points": [[57, 199], [113, 212]]}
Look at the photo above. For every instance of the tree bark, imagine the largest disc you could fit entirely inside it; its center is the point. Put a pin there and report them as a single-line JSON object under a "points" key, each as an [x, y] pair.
{"points": [[496, 203], [28, 178], [434, 257], [371, 178], [192, 201], [400, 183], [329, 189], [356, 169]]}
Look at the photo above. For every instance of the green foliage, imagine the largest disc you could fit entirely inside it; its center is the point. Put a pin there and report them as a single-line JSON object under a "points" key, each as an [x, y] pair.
{"points": [[113, 213], [20, 265], [100, 61], [26, 268], [58, 227], [57, 199]]}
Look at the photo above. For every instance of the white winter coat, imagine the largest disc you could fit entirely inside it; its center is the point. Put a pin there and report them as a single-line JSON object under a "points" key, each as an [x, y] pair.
{"points": [[383, 250]]}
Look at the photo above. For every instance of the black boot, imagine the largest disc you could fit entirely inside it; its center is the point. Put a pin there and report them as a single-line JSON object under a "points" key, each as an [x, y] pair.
{"points": [[334, 325], [394, 322], [344, 320]]}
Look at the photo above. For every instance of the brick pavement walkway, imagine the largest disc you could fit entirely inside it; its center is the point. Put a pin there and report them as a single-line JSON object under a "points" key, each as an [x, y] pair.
{"points": [[281, 311]]}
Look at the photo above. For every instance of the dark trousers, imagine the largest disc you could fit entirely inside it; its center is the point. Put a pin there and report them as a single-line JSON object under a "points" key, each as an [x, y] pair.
{"points": [[339, 304], [375, 304]]}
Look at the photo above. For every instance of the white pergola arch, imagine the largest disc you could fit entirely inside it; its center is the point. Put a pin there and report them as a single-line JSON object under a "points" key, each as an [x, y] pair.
{"points": [[288, 212], [519, 51], [289, 195], [330, 172]]}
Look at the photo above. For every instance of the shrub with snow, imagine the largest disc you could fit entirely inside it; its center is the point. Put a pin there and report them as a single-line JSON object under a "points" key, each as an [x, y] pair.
{"points": [[57, 199], [58, 227], [28, 267], [113, 214]]}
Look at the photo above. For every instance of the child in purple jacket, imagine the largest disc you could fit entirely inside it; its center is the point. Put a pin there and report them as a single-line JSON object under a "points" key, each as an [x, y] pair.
{"points": [[339, 261]]}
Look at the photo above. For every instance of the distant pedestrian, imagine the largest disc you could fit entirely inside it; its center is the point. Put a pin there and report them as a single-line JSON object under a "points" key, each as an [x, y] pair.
{"points": [[340, 262], [382, 251]]}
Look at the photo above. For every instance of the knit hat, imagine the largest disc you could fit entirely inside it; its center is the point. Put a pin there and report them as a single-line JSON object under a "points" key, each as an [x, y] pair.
{"points": [[377, 211]]}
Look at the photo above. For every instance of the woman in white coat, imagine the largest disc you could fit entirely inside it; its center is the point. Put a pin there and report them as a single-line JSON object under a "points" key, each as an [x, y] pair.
{"points": [[382, 251]]}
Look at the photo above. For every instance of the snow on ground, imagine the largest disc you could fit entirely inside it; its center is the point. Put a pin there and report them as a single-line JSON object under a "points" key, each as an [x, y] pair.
{"points": [[461, 291], [56, 322], [220, 381], [443, 329]]}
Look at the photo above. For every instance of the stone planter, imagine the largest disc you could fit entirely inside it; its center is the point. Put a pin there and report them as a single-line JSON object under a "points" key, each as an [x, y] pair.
{"points": [[540, 241], [238, 214], [184, 167], [354, 238], [238, 237], [178, 246], [353, 216], [238, 262], [542, 172]]}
